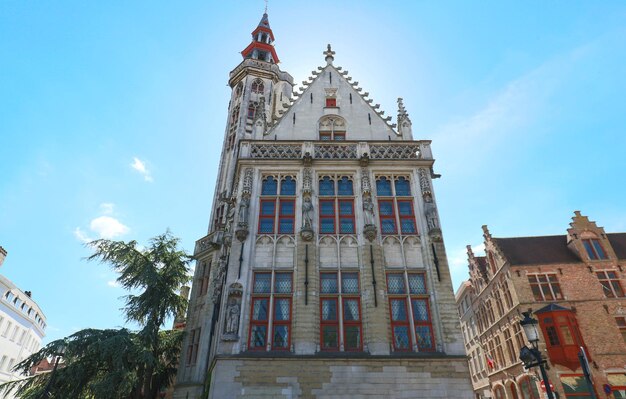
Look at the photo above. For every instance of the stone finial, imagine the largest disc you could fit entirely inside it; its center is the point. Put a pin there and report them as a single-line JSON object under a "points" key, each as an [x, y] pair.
{"points": [[329, 53], [470, 252], [486, 232]]}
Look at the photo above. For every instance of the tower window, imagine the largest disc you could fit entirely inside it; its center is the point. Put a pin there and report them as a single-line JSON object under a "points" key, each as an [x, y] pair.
{"points": [[333, 321], [251, 111], [265, 323], [258, 86]]}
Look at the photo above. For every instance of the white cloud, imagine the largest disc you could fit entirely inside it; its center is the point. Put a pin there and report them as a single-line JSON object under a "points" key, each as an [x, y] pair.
{"points": [[82, 236], [107, 208], [140, 167], [108, 227], [113, 283], [458, 260]]}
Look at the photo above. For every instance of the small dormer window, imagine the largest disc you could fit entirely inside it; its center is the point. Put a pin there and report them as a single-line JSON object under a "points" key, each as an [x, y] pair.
{"points": [[331, 102], [594, 249], [332, 128], [258, 86]]}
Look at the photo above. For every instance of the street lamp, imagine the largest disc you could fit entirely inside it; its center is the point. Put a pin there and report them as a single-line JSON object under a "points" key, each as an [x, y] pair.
{"points": [[59, 353], [531, 356]]}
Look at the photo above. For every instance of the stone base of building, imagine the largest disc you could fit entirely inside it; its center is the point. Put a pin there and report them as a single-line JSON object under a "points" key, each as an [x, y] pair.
{"points": [[436, 376]]}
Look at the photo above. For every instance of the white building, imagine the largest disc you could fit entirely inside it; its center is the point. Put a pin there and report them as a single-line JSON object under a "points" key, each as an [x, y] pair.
{"points": [[323, 273], [22, 326]]}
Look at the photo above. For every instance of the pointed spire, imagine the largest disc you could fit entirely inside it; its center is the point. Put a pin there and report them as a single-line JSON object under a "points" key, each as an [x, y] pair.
{"points": [[262, 47], [329, 53]]}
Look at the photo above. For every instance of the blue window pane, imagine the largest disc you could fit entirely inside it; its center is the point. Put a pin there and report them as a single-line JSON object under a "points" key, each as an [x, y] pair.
{"points": [[329, 283], [288, 186], [592, 255], [345, 186], [266, 226], [423, 334], [351, 310], [383, 187], [267, 208], [281, 309], [262, 283], [327, 208], [388, 226], [353, 337], [259, 333], [350, 283], [329, 309], [327, 186], [282, 283], [408, 226], [405, 208], [395, 283], [403, 188], [327, 225], [281, 337], [420, 310], [599, 250], [401, 337], [287, 208], [269, 186], [386, 208], [346, 226], [346, 207], [259, 310], [285, 226], [330, 337], [398, 310], [417, 285]]}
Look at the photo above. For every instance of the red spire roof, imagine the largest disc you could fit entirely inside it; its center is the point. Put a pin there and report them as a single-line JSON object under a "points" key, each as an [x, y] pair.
{"points": [[261, 47]]}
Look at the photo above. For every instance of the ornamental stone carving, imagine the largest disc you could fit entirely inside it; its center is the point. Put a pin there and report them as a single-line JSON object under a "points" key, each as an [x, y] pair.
{"points": [[307, 218], [424, 181], [395, 151], [232, 313], [335, 151], [282, 151], [218, 279]]}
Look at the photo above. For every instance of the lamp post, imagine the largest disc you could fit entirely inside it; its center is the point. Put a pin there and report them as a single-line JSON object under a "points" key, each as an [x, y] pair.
{"points": [[59, 353], [531, 356]]}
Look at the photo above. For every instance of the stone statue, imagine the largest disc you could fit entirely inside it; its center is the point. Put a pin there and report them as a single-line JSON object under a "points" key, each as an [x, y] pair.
{"points": [[243, 211], [431, 213], [368, 208], [232, 317], [307, 212]]}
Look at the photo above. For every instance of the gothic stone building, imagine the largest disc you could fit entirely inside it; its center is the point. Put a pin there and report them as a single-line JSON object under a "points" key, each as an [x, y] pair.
{"points": [[574, 284], [323, 273]]}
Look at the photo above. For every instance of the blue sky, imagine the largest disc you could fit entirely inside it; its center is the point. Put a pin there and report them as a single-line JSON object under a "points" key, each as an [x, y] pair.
{"points": [[112, 116]]}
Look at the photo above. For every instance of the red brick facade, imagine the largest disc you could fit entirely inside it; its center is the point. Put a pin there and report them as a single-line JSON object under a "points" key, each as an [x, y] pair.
{"points": [[574, 284]]}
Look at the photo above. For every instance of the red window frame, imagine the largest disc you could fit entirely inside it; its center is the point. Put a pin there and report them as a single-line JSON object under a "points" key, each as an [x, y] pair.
{"points": [[259, 323], [272, 297], [400, 323], [532, 392], [258, 86], [391, 217], [346, 216], [331, 102], [499, 392], [263, 216], [410, 217], [610, 281], [329, 323], [279, 323], [423, 323], [286, 216], [352, 323], [328, 216]]}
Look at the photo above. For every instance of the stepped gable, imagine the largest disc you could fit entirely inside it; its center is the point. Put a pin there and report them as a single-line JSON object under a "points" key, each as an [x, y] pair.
{"points": [[365, 120]]}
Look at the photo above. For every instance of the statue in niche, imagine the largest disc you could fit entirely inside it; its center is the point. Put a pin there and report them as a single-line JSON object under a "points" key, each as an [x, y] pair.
{"points": [[243, 211], [368, 208], [307, 212], [232, 317], [431, 212]]}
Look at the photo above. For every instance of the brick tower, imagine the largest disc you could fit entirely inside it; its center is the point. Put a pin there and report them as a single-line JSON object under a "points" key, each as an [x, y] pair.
{"points": [[323, 272]]}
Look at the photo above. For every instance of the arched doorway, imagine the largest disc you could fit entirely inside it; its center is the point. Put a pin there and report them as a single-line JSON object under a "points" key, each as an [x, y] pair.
{"points": [[513, 390]]}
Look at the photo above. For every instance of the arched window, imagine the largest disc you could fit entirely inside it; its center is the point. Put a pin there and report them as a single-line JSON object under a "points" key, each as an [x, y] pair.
{"points": [[403, 188], [258, 86], [327, 186], [528, 388], [383, 187], [513, 391], [239, 89], [269, 186], [288, 186], [251, 111], [344, 186], [332, 127], [234, 114], [499, 392]]}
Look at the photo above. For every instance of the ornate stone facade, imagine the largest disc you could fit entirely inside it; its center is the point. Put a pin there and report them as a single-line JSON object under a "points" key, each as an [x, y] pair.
{"points": [[338, 274]]}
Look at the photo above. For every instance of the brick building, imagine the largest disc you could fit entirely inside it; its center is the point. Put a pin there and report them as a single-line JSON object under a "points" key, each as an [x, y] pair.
{"points": [[323, 273], [574, 285]]}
